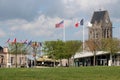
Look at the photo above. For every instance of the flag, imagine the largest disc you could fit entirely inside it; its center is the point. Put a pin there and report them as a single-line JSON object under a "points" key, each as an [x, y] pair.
{"points": [[14, 41], [30, 42], [89, 24], [60, 24], [8, 40], [81, 22], [25, 42], [77, 24], [35, 44]]}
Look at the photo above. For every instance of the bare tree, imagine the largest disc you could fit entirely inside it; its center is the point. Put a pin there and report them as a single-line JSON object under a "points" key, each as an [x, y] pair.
{"points": [[93, 47]]}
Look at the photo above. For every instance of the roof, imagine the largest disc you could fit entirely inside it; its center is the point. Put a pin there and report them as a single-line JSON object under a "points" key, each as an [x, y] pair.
{"points": [[88, 54], [98, 16]]}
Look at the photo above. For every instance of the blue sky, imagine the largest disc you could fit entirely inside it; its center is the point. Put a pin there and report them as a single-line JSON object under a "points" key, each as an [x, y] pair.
{"points": [[35, 19]]}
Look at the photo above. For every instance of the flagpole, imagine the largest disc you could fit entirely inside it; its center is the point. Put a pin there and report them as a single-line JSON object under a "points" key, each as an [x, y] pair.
{"points": [[82, 23], [83, 38], [64, 33]]}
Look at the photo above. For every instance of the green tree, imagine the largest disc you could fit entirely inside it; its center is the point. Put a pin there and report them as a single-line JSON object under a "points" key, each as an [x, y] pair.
{"points": [[17, 48], [112, 46], [59, 49], [54, 49], [71, 47]]}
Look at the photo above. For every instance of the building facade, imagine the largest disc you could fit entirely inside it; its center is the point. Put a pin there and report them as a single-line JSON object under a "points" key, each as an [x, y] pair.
{"points": [[8, 60], [101, 27]]}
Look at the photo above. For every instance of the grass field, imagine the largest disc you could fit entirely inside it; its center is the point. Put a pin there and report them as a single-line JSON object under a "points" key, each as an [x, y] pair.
{"points": [[72, 73]]}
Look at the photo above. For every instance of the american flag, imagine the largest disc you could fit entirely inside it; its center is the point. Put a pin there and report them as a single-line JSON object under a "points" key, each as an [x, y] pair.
{"points": [[60, 24]]}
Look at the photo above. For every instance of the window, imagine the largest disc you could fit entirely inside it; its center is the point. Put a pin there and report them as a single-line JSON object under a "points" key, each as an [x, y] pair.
{"points": [[12, 60]]}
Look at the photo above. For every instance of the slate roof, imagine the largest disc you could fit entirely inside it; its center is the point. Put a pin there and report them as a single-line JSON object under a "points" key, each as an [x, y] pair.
{"points": [[98, 16]]}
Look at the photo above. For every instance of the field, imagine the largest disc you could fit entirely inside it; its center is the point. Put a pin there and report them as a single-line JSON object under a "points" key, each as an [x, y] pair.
{"points": [[63, 73]]}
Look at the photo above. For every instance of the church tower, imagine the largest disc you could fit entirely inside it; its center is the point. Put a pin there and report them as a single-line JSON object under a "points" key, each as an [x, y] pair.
{"points": [[101, 26]]}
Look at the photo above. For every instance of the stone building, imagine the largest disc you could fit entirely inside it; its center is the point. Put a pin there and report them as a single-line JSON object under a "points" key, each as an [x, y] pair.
{"points": [[101, 27]]}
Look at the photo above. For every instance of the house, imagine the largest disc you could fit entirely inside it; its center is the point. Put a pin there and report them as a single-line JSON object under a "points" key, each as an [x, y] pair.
{"points": [[8, 60], [101, 28]]}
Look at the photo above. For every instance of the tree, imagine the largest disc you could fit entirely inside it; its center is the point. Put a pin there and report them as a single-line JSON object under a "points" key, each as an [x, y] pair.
{"points": [[112, 46], [59, 49], [15, 49], [93, 47], [54, 49], [71, 47]]}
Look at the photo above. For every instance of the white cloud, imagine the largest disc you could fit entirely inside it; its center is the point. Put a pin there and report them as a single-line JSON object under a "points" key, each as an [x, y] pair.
{"points": [[41, 26], [40, 19], [53, 8], [86, 4], [2, 33]]}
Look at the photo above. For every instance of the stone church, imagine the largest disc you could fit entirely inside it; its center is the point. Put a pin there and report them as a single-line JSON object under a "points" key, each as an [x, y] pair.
{"points": [[101, 27]]}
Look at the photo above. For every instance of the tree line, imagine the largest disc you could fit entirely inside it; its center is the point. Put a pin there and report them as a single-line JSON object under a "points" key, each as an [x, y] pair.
{"points": [[66, 49]]}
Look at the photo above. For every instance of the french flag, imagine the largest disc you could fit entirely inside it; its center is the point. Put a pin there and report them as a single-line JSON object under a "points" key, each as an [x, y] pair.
{"points": [[77, 24]]}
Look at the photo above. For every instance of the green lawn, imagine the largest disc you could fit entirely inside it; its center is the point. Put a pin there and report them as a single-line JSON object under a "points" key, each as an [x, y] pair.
{"points": [[72, 73]]}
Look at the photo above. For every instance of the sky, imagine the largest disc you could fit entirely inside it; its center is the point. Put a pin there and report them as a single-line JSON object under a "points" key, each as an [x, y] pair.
{"points": [[35, 19]]}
